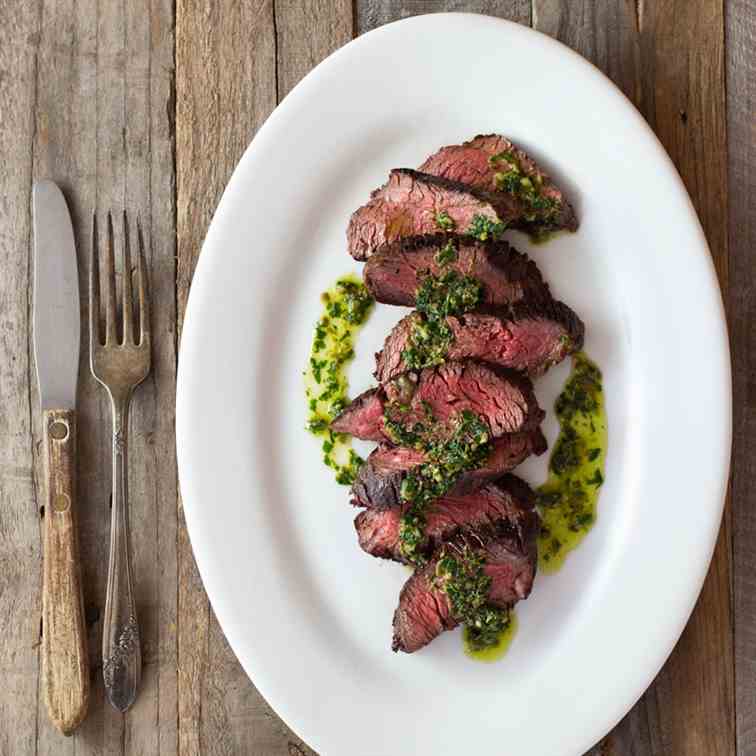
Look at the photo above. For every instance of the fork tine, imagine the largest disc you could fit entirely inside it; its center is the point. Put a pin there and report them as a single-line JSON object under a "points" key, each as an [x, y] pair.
{"points": [[128, 305], [144, 303], [110, 292], [94, 291]]}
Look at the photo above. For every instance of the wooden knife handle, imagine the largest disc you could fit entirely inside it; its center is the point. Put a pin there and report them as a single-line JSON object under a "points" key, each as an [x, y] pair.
{"points": [[65, 661]]}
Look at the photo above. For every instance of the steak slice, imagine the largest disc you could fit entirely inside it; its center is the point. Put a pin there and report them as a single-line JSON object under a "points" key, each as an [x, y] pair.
{"points": [[363, 416], [408, 204], [509, 548], [530, 337], [379, 480], [378, 530], [475, 164], [503, 399], [393, 274], [423, 613]]}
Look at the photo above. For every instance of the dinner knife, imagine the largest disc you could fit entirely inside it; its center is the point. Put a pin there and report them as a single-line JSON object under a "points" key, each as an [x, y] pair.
{"points": [[56, 321]]}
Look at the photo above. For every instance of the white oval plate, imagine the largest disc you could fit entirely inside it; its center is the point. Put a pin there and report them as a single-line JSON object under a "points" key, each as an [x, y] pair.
{"points": [[307, 613]]}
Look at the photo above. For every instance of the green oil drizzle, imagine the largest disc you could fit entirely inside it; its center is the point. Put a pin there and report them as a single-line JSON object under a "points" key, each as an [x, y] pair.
{"points": [[495, 651], [346, 307], [567, 500]]}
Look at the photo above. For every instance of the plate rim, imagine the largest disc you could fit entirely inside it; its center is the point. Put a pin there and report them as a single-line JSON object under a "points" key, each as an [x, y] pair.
{"points": [[184, 404]]}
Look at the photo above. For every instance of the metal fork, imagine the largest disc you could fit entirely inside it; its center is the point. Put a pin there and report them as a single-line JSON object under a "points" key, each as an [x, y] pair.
{"points": [[120, 364]]}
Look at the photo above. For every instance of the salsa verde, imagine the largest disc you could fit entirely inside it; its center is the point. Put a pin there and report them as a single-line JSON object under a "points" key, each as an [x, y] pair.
{"points": [[346, 307], [567, 500]]}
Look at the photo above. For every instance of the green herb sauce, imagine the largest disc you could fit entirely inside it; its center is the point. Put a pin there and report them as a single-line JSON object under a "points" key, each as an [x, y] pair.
{"points": [[466, 448], [497, 649], [460, 575], [444, 221], [346, 307], [567, 500], [447, 254], [447, 294], [512, 179], [435, 298], [482, 227]]}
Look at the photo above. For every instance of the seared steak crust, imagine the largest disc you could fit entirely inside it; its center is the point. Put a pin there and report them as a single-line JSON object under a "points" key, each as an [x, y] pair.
{"points": [[503, 399], [470, 164], [393, 274], [378, 529], [509, 547], [408, 204], [379, 479], [527, 336]]}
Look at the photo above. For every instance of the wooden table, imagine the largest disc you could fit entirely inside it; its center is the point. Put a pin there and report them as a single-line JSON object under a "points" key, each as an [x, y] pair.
{"points": [[150, 103]]}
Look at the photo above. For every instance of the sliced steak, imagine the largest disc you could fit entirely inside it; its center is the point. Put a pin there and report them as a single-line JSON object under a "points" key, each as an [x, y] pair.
{"points": [[423, 613], [509, 548], [480, 163], [502, 399], [530, 337], [379, 479], [363, 416], [378, 530], [409, 203], [393, 274]]}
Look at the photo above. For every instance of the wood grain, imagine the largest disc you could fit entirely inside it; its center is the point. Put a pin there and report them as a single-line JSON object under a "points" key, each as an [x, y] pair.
{"points": [[65, 657], [225, 87], [741, 140], [89, 97], [307, 32], [20, 547], [674, 73], [103, 131], [374, 13]]}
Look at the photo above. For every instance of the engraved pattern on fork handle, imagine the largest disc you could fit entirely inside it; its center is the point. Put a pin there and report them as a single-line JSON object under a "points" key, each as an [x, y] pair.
{"points": [[121, 654]]}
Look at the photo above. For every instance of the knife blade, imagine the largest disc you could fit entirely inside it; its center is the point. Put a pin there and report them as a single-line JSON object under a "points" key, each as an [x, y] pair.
{"points": [[56, 317], [56, 333]]}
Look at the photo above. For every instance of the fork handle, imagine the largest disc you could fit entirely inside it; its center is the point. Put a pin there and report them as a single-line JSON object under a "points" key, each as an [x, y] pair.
{"points": [[65, 663], [121, 655]]}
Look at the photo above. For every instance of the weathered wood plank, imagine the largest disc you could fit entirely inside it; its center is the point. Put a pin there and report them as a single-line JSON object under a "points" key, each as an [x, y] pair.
{"points": [[225, 88], [606, 33], [20, 549], [374, 13], [103, 131], [673, 70], [307, 32], [150, 189], [741, 139]]}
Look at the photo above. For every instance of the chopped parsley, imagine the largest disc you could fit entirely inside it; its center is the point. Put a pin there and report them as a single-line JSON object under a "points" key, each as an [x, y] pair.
{"points": [[401, 433], [527, 188], [447, 254], [460, 575], [428, 343], [444, 221], [466, 448], [482, 227], [436, 298], [448, 294], [346, 306]]}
